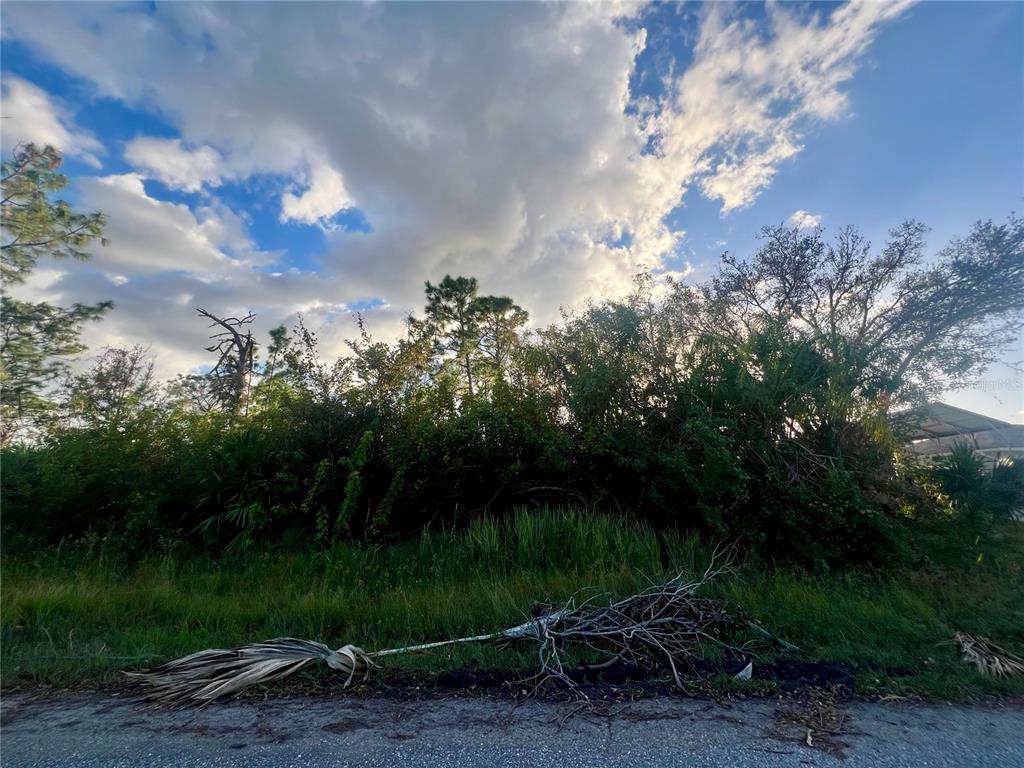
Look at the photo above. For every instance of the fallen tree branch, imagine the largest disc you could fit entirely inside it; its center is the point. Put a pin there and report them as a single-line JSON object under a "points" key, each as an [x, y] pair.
{"points": [[666, 624]]}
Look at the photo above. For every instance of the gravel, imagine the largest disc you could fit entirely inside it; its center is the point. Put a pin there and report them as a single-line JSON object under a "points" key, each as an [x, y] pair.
{"points": [[105, 730]]}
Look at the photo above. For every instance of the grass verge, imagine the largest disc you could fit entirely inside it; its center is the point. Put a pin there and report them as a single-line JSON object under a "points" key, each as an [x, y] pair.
{"points": [[68, 620]]}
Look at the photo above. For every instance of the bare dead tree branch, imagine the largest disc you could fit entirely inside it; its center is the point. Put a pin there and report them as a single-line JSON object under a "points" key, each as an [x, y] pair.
{"points": [[231, 377]]}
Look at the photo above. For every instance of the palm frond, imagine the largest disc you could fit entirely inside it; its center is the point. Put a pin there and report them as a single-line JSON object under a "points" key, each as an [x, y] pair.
{"points": [[201, 677], [987, 657]]}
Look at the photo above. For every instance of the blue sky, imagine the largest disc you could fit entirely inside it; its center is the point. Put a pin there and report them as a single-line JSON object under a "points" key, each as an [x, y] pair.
{"points": [[323, 159]]}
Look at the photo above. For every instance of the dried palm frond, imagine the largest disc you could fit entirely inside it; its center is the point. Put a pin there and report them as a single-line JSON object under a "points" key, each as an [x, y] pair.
{"points": [[663, 624], [201, 677], [987, 657], [207, 675]]}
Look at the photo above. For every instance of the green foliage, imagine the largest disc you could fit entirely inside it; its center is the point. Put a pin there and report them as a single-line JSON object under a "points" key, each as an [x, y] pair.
{"points": [[963, 476], [245, 486], [1006, 488], [473, 336], [356, 465], [36, 338], [735, 409], [117, 390], [977, 488], [897, 329], [82, 615], [314, 504], [34, 225]]}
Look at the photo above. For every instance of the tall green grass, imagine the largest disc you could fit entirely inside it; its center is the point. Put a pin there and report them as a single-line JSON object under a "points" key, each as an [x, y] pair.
{"points": [[66, 619]]}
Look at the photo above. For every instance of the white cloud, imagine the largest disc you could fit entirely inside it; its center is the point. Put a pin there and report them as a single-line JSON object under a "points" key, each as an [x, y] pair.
{"points": [[497, 140], [174, 164], [31, 115], [150, 236], [805, 220], [161, 263], [742, 107], [325, 197], [42, 284]]}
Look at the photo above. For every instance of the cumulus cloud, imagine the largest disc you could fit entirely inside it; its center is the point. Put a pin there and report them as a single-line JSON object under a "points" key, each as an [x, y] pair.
{"points": [[171, 162], [325, 197], [498, 140], [805, 220], [163, 261], [31, 115], [150, 236]]}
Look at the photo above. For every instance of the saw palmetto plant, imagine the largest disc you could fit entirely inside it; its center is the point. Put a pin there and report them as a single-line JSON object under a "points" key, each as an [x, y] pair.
{"points": [[666, 624]]}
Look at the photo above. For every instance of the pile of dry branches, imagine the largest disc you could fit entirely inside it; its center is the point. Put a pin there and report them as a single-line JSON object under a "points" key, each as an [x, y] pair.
{"points": [[666, 624]]}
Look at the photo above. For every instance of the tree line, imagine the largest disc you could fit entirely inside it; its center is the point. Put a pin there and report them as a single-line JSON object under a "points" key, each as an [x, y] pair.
{"points": [[758, 405]]}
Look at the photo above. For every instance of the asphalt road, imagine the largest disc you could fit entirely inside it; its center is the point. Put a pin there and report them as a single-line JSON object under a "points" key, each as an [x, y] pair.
{"points": [[102, 730]]}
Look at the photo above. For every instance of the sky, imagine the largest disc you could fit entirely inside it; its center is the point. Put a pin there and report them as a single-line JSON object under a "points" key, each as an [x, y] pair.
{"points": [[328, 158]]}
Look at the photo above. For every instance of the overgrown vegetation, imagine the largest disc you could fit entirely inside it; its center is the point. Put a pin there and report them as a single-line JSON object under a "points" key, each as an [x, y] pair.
{"points": [[77, 617], [756, 407]]}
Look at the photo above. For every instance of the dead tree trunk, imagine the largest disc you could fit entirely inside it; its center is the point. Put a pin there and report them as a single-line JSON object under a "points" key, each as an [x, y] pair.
{"points": [[231, 377]]}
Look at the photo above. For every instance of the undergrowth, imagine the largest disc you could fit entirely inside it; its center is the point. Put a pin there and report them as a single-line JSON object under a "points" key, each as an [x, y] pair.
{"points": [[75, 618]]}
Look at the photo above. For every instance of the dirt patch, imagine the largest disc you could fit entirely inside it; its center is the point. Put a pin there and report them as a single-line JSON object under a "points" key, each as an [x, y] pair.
{"points": [[793, 675], [618, 682]]}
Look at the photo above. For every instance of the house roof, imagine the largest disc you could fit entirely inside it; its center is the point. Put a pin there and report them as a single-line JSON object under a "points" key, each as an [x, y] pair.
{"points": [[936, 420]]}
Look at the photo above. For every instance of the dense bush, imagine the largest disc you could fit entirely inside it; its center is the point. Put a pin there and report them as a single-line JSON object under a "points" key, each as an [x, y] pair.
{"points": [[753, 406], [741, 442]]}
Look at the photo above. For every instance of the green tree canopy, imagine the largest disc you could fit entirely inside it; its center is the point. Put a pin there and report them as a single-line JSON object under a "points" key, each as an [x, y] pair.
{"points": [[892, 323], [478, 333], [37, 338]]}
